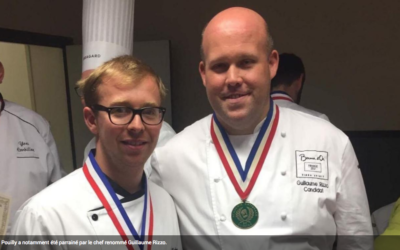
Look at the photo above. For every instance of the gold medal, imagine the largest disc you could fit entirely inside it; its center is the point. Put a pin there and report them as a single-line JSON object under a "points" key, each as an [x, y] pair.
{"points": [[244, 215]]}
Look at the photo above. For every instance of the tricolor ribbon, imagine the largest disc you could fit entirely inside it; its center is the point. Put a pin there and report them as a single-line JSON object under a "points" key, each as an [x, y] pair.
{"points": [[281, 95], [244, 179], [106, 194]]}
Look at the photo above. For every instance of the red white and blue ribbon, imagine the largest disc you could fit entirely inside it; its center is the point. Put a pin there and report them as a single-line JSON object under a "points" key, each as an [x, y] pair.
{"points": [[281, 95], [244, 179], [106, 194]]}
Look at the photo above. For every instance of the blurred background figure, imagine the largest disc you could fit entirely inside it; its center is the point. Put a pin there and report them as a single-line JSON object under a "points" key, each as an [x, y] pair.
{"points": [[29, 159], [390, 238], [381, 217], [287, 85]]}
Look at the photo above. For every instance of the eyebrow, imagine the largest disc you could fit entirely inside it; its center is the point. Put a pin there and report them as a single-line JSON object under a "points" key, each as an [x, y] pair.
{"points": [[127, 104], [225, 58]]}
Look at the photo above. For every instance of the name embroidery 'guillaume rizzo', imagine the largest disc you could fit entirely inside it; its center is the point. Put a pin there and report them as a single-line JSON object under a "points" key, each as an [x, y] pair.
{"points": [[312, 165]]}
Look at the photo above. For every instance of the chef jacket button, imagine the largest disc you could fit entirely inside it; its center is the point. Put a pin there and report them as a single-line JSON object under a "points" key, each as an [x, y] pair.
{"points": [[95, 217], [283, 173], [222, 218], [283, 134], [283, 216], [216, 180]]}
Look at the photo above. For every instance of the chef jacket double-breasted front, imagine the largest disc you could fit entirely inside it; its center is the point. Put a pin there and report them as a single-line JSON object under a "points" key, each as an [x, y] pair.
{"points": [[310, 184], [70, 207]]}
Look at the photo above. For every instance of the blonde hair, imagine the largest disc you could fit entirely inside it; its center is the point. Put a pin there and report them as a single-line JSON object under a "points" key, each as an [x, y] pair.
{"points": [[129, 68]]}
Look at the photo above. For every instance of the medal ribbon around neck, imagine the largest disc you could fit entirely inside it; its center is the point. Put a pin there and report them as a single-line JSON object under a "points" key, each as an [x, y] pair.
{"points": [[244, 180], [106, 194], [280, 95]]}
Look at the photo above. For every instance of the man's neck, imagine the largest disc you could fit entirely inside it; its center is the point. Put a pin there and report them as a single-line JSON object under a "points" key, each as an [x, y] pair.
{"points": [[125, 176], [246, 127], [287, 89]]}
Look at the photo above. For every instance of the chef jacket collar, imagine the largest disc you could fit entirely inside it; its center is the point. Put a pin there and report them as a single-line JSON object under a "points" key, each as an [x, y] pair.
{"points": [[2, 103]]}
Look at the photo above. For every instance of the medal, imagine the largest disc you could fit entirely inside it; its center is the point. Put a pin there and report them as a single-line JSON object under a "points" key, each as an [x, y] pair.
{"points": [[245, 215]]}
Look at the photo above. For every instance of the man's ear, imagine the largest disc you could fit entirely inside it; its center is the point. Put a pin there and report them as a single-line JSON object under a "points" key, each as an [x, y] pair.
{"points": [[90, 120], [86, 73], [1, 72], [202, 70], [273, 61], [299, 83]]}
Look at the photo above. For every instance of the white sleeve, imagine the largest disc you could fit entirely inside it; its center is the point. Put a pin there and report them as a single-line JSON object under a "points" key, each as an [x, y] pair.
{"points": [[176, 239], [155, 175], [56, 171], [352, 216], [29, 226], [323, 116], [27, 223], [166, 133]]}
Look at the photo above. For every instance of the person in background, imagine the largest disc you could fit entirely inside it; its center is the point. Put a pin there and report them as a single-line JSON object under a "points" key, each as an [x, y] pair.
{"points": [[380, 218], [288, 84], [28, 157], [110, 194], [252, 168], [390, 238]]}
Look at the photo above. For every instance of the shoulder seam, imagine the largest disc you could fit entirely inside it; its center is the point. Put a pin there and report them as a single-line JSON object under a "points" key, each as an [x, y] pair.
{"points": [[22, 119]]}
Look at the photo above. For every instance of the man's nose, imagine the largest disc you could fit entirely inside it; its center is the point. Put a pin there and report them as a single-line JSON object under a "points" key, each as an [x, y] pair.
{"points": [[233, 76], [136, 124]]}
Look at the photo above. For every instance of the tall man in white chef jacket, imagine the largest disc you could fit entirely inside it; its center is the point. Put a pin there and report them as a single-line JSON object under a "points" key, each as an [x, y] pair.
{"points": [[288, 83], [251, 168]]}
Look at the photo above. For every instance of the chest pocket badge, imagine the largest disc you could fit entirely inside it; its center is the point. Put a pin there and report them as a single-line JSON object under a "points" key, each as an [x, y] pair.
{"points": [[312, 164]]}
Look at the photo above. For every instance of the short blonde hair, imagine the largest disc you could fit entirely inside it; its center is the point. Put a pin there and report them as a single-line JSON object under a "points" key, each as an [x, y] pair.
{"points": [[128, 67]]}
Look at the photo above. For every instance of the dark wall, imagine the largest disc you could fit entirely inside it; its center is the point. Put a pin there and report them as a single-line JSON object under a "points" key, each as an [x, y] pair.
{"points": [[61, 18], [349, 48], [379, 156]]}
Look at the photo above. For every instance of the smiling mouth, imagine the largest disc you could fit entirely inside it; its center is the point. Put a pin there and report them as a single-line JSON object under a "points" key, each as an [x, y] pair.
{"points": [[235, 96], [134, 143]]}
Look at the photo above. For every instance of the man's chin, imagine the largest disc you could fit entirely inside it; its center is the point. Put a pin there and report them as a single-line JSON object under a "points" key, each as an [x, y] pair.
{"points": [[236, 116], [135, 160]]}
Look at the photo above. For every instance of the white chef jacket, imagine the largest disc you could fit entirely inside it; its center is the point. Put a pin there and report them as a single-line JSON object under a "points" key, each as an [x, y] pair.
{"points": [[189, 168], [166, 133], [28, 155], [70, 207], [282, 99]]}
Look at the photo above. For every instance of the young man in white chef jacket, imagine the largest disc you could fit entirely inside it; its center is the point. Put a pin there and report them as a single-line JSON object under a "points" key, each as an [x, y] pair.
{"points": [[110, 195]]}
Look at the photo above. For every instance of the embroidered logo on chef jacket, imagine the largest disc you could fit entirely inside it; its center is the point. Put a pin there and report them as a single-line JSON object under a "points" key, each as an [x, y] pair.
{"points": [[312, 164], [26, 150]]}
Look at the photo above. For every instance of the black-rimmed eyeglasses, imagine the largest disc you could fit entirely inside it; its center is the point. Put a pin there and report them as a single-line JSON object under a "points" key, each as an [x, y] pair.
{"points": [[120, 115]]}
